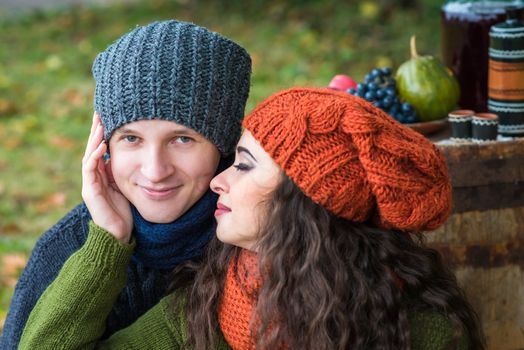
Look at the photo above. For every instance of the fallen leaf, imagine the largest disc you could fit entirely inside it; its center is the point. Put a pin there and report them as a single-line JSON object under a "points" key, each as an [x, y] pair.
{"points": [[9, 282], [22, 196], [54, 200], [74, 97], [12, 265], [12, 142], [9, 229], [61, 142], [7, 107]]}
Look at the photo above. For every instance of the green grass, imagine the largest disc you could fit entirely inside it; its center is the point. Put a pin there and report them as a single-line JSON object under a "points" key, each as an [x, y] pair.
{"points": [[46, 86]]}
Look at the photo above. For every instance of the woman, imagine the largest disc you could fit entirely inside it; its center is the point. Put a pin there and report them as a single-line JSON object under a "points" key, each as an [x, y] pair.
{"points": [[316, 245]]}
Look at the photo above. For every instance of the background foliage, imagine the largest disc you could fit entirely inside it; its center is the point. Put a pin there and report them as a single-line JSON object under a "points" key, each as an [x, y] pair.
{"points": [[46, 88]]}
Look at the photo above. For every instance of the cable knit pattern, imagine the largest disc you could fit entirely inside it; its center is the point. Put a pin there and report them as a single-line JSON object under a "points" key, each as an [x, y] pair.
{"points": [[354, 159], [239, 299], [174, 71]]}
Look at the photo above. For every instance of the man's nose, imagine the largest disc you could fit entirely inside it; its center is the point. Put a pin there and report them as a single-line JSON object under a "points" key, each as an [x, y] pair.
{"points": [[156, 165]]}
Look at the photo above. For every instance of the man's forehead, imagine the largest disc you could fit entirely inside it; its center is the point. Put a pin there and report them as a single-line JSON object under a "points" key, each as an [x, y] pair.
{"points": [[143, 125]]}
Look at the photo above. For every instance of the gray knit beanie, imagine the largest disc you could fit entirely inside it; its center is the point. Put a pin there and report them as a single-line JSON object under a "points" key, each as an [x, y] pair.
{"points": [[174, 71]]}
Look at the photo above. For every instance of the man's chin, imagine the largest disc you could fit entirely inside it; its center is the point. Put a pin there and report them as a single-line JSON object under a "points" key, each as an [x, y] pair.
{"points": [[158, 217]]}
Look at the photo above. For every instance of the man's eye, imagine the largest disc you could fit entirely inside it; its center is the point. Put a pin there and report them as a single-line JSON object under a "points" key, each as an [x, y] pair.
{"points": [[242, 167], [183, 139], [131, 138]]}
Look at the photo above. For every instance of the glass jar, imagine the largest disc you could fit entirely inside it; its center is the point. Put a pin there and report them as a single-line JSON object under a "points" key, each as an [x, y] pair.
{"points": [[465, 43]]}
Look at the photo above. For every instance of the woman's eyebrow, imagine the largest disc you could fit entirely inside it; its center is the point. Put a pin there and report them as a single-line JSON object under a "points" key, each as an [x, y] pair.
{"points": [[241, 149]]}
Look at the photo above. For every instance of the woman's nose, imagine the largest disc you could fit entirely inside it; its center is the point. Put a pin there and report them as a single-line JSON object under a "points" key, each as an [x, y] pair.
{"points": [[219, 183]]}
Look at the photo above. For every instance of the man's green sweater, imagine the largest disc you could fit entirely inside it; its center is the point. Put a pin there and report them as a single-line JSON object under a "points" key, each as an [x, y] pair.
{"points": [[72, 311]]}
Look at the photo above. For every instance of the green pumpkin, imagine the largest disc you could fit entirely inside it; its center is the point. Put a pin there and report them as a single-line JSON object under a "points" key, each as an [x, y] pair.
{"points": [[427, 85]]}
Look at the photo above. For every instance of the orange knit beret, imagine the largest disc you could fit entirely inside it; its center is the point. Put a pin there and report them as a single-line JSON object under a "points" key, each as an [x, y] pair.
{"points": [[353, 158]]}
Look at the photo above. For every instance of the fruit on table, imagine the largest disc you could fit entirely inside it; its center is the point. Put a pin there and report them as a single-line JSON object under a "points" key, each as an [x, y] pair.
{"points": [[379, 88], [342, 82], [428, 85]]}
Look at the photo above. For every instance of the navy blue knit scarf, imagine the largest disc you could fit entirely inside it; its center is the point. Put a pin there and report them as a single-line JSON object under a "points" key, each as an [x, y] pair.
{"points": [[163, 246]]}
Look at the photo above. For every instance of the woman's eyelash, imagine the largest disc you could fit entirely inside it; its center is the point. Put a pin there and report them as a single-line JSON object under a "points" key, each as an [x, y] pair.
{"points": [[242, 167]]}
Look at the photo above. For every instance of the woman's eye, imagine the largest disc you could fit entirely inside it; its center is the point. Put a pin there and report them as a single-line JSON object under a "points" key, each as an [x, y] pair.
{"points": [[131, 138], [242, 167], [183, 139]]}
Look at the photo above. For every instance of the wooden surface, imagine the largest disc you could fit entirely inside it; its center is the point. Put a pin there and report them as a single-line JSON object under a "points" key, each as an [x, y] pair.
{"points": [[484, 238], [485, 176], [486, 251]]}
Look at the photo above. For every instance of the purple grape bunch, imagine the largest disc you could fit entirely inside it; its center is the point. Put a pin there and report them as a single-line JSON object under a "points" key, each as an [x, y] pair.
{"points": [[380, 88]]}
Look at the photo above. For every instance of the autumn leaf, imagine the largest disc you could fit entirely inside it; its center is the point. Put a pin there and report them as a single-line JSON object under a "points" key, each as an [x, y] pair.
{"points": [[9, 229], [74, 97], [7, 107], [12, 265], [61, 142], [54, 200], [12, 142]]}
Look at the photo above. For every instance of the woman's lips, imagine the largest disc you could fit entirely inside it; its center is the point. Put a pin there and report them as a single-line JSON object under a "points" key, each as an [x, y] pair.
{"points": [[221, 209]]}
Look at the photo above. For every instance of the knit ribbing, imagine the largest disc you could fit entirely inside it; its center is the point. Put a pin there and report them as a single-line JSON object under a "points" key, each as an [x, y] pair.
{"points": [[164, 246], [174, 71], [239, 299], [353, 158], [164, 326], [144, 288]]}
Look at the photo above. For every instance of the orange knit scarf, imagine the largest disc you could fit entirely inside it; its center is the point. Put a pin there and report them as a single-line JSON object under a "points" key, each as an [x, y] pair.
{"points": [[235, 313], [239, 300]]}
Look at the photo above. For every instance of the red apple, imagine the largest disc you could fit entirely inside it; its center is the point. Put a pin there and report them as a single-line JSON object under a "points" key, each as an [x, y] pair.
{"points": [[342, 82]]}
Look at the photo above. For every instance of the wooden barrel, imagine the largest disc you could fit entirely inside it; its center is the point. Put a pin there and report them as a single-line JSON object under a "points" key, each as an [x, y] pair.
{"points": [[484, 238]]}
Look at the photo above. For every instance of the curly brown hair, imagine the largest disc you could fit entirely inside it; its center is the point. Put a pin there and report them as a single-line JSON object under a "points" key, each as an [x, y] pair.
{"points": [[336, 280]]}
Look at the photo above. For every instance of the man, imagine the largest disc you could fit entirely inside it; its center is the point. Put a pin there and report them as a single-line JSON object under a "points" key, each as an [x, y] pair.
{"points": [[170, 97]]}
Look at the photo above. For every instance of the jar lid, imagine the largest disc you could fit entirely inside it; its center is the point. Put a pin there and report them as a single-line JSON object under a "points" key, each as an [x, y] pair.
{"points": [[513, 23]]}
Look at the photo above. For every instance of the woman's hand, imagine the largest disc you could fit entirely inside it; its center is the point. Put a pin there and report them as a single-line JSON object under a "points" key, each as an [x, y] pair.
{"points": [[108, 207]]}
